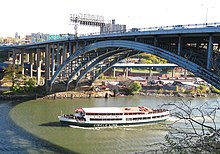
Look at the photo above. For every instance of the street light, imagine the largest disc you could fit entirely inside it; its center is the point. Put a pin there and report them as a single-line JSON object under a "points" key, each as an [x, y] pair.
{"points": [[207, 12]]}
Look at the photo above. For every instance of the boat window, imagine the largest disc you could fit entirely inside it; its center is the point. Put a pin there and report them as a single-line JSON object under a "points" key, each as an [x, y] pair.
{"points": [[118, 113], [135, 113], [139, 118], [105, 119], [104, 114], [156, 116]]}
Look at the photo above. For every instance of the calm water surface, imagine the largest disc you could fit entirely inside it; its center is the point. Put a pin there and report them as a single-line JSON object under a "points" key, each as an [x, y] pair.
{"points": [[33, 127]]}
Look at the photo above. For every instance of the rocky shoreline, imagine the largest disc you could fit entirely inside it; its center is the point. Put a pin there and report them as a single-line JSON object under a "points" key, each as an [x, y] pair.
{"points": [[96, 94], [81, 94]]}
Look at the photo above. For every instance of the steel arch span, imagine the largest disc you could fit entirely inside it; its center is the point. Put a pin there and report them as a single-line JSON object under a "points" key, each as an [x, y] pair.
{"points": [[136, 46]]}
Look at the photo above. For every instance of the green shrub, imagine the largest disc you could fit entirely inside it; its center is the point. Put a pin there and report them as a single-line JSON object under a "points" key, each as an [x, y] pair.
{"points": [[29, 85], [135, 87], [202, 89]]}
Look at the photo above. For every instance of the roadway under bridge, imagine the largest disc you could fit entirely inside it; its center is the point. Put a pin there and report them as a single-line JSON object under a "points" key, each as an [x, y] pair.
{"points": [[69, 61]]}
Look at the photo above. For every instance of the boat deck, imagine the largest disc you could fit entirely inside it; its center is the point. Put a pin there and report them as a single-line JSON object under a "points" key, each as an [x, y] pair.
{"points": [[121, 110]]}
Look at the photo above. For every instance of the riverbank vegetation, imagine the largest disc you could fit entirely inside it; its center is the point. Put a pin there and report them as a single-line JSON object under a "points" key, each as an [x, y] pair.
{"points": [[146, 58], [132, 89], [21, 84], [17, 82]]}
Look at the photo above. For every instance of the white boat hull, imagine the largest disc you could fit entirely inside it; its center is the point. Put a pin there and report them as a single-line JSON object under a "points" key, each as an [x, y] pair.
{"points": [[124, 120]]}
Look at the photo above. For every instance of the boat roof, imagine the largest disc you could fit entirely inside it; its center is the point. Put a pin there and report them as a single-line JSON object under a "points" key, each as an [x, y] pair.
{"points": [[112, 109]]}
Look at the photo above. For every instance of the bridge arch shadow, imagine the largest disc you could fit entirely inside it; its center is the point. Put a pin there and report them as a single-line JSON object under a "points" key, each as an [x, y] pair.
{"points": [[129, 48]]}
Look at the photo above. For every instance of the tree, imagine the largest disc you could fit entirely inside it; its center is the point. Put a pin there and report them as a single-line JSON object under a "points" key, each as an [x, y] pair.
{"points": [[20, 83], [12, 73], [135, 87], [199, 131], [30, 84], [150, 59]]}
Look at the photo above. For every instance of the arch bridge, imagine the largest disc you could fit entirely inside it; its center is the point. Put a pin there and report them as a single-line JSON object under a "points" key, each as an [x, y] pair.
{"points": [[74, 59]]}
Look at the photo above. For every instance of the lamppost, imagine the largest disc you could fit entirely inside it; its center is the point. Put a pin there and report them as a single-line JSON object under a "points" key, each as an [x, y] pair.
{"points": [[207, 12], [206, 18]]}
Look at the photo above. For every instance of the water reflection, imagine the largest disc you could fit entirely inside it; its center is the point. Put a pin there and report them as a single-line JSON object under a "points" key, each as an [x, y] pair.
{"points": [[16, 140], [51, 124]]}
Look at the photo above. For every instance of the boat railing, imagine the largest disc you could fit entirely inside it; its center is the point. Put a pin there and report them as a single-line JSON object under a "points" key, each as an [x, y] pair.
{"points": [[69, 116]]}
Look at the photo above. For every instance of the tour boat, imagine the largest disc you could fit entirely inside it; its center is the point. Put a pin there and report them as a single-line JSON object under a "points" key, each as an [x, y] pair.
{"points": [[113, 116]]}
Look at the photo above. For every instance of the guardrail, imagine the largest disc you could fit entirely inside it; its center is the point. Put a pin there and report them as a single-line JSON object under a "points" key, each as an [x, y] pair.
{"points": [[160, 28], [172, 27]]}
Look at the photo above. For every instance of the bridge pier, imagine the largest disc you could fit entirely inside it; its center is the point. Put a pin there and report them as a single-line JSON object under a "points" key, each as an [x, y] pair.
{"points": [[114, 71], [179, 45], [22, 61], [31, 64], [64, 58], [210, 53], [53, 60], [47, 68], [58, 55], [38, 66]]}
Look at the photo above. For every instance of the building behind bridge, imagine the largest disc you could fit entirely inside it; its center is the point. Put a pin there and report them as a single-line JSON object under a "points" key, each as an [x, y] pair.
{"points": [[112, 27]]}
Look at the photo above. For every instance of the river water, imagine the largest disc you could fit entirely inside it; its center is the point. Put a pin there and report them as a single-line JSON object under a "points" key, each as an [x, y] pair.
{"points": [[33, 127]]}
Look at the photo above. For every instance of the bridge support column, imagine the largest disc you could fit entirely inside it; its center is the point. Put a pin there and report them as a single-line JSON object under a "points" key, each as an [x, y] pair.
{"points": [[19, 56], [14, 57], [126, 72], [70, 52], [114, 72], [70, 47], [53, 59], [58, 55], [27, 57], [63, 58], [47, 68], [31, 64], [210, 52], [172, 73], [179, 45], [22, 61], [38, 66]]}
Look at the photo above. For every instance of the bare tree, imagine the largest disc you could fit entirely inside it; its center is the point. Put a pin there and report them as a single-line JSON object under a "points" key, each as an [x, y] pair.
{"points": [[196, 129]]}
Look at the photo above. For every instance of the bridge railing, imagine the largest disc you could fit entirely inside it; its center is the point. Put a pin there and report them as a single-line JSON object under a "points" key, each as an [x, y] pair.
{"points": [[172, 27], [133, 30], [160, 28], [188, 26]]}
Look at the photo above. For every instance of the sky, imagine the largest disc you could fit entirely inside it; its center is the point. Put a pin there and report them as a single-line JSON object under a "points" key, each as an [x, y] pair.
{"points": [[53, 16]]}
